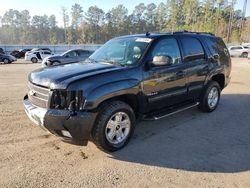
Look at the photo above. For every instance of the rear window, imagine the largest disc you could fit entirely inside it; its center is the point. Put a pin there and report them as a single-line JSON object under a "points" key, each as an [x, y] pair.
{"points": [[192, 49]]}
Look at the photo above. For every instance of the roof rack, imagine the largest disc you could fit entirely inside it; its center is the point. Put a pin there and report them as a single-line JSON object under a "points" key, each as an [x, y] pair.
{"points": [[157, 32], [190, 32]]}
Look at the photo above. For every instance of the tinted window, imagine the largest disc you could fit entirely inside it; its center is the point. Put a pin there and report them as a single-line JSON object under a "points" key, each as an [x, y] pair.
{"points": [[72, 54], [167, 47], [216, 46], [236, 48], [192, 49], [83, 53], [47, 53]]}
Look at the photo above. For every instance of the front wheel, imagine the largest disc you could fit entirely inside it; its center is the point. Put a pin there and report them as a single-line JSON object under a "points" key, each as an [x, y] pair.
{"points": [[114, 126], [210, 97], [56, 63], [6, 61]]}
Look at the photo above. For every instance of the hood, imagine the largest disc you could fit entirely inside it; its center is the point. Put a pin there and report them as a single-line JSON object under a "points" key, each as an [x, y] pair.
{"points": [[59, 77]]}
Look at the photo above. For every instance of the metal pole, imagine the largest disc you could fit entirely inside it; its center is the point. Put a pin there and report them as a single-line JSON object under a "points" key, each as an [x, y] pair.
{"points": [[230, 23], [243, 18]]}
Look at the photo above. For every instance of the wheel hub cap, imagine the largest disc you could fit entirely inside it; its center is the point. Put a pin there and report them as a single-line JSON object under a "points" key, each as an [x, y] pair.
{"points": [[213, 97], [118, 128]]}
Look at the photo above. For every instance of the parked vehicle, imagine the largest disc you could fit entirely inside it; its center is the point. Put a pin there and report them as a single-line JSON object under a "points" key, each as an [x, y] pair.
{"points": [[1, 51], [5, 59], [69, 56], [38, 49], [129, 78], [20, 53], [35, 56], [44, 48], [239, 51]]}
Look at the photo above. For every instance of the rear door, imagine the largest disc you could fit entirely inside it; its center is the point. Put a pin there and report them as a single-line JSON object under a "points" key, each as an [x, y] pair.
{"points": [[197, 64]]}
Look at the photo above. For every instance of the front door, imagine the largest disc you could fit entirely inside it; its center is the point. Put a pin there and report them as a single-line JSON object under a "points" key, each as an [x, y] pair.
{"points": [[165, 85]]}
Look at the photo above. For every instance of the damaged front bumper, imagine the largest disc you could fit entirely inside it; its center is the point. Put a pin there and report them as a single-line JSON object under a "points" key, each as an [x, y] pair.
{"points": [[75, 127]]}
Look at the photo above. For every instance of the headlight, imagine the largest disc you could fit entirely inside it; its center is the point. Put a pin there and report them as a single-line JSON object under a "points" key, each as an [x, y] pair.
{"points": [[68, 100]]}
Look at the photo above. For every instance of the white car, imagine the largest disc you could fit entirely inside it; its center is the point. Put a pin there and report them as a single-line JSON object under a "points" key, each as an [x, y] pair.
{"points": [[35, 56], [239, 51]]}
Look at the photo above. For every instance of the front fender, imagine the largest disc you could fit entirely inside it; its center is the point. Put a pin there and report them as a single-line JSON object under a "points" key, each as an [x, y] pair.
{"points": [[110, 90]]}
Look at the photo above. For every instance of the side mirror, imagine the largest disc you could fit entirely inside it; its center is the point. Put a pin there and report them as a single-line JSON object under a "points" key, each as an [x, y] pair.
{"points": [[162, 60], [67, 56]]}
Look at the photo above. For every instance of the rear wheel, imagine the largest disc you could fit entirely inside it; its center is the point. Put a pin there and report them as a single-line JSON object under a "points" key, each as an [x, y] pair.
{"points": [[210, 97], [34, 60], [244, 54], [114, 126]]}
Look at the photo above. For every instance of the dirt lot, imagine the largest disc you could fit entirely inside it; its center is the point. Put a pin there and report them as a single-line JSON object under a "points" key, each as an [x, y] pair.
{"points": [[189, 149]]}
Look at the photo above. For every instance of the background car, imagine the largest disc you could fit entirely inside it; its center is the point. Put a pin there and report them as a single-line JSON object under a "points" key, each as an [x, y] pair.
{"points": [[35, 56], [6, 58], [69, 56], [20, 53], [1, 51], [38, 49], [239, 51]]}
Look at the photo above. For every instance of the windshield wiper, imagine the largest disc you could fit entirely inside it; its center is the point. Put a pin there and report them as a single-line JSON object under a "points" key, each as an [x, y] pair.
{"points": [[112, 62], [92, 60]]}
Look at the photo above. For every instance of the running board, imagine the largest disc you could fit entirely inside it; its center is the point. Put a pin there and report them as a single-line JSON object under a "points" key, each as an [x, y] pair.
{"points": [[168, 112]]}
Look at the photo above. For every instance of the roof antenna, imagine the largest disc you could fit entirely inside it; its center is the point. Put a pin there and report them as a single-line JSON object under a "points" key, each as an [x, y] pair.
{"points": [[147, 33]]}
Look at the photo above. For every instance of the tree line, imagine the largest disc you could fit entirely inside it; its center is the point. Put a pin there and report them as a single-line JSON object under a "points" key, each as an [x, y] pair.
{"points": [[98, 26]]}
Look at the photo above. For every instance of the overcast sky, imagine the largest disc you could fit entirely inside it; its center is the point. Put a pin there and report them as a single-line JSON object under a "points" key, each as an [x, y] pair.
{"points": [[41, 7]]}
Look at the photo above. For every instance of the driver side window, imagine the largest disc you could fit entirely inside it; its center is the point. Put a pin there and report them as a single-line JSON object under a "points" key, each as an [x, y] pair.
{"points": [[167, 47], [72, 54]]}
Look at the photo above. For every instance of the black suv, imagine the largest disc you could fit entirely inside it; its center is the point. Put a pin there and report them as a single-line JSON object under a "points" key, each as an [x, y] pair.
{"points": [[137, 77]]}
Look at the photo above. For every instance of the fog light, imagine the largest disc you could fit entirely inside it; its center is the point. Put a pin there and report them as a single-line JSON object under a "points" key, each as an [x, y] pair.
{"points": [[66, 134]]}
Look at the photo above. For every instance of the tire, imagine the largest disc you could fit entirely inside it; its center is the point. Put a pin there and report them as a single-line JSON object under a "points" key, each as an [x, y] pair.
{"points": [[56, 63], [244, 55], [6, 61], [34, 60], [107, 134], [210, 97]]}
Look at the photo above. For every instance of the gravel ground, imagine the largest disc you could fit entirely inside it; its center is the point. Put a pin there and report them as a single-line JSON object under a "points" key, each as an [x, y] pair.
{"points": [[189, 149]]}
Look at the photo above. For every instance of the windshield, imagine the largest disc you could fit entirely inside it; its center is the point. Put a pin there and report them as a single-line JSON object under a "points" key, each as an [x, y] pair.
{"points": [[123, 51]]}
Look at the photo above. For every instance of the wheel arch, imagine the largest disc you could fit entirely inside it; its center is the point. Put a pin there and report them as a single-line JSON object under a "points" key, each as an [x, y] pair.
{"points": [[220, 78]]}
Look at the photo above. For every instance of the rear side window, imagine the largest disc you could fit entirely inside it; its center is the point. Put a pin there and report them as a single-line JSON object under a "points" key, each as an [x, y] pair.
{"points": [[83, 53], [236, 48], [192, 49], [217, 46]]}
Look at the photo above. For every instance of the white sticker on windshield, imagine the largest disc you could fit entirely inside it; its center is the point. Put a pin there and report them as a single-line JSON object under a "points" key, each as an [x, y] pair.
{"points": [[147, 40]]}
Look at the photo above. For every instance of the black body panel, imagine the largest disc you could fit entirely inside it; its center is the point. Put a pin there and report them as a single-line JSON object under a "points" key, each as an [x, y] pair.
{"points": [[149, 87]]}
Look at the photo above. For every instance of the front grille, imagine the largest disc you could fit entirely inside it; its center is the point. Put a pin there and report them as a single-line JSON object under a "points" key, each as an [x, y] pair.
{"points": [[38, 96]]}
